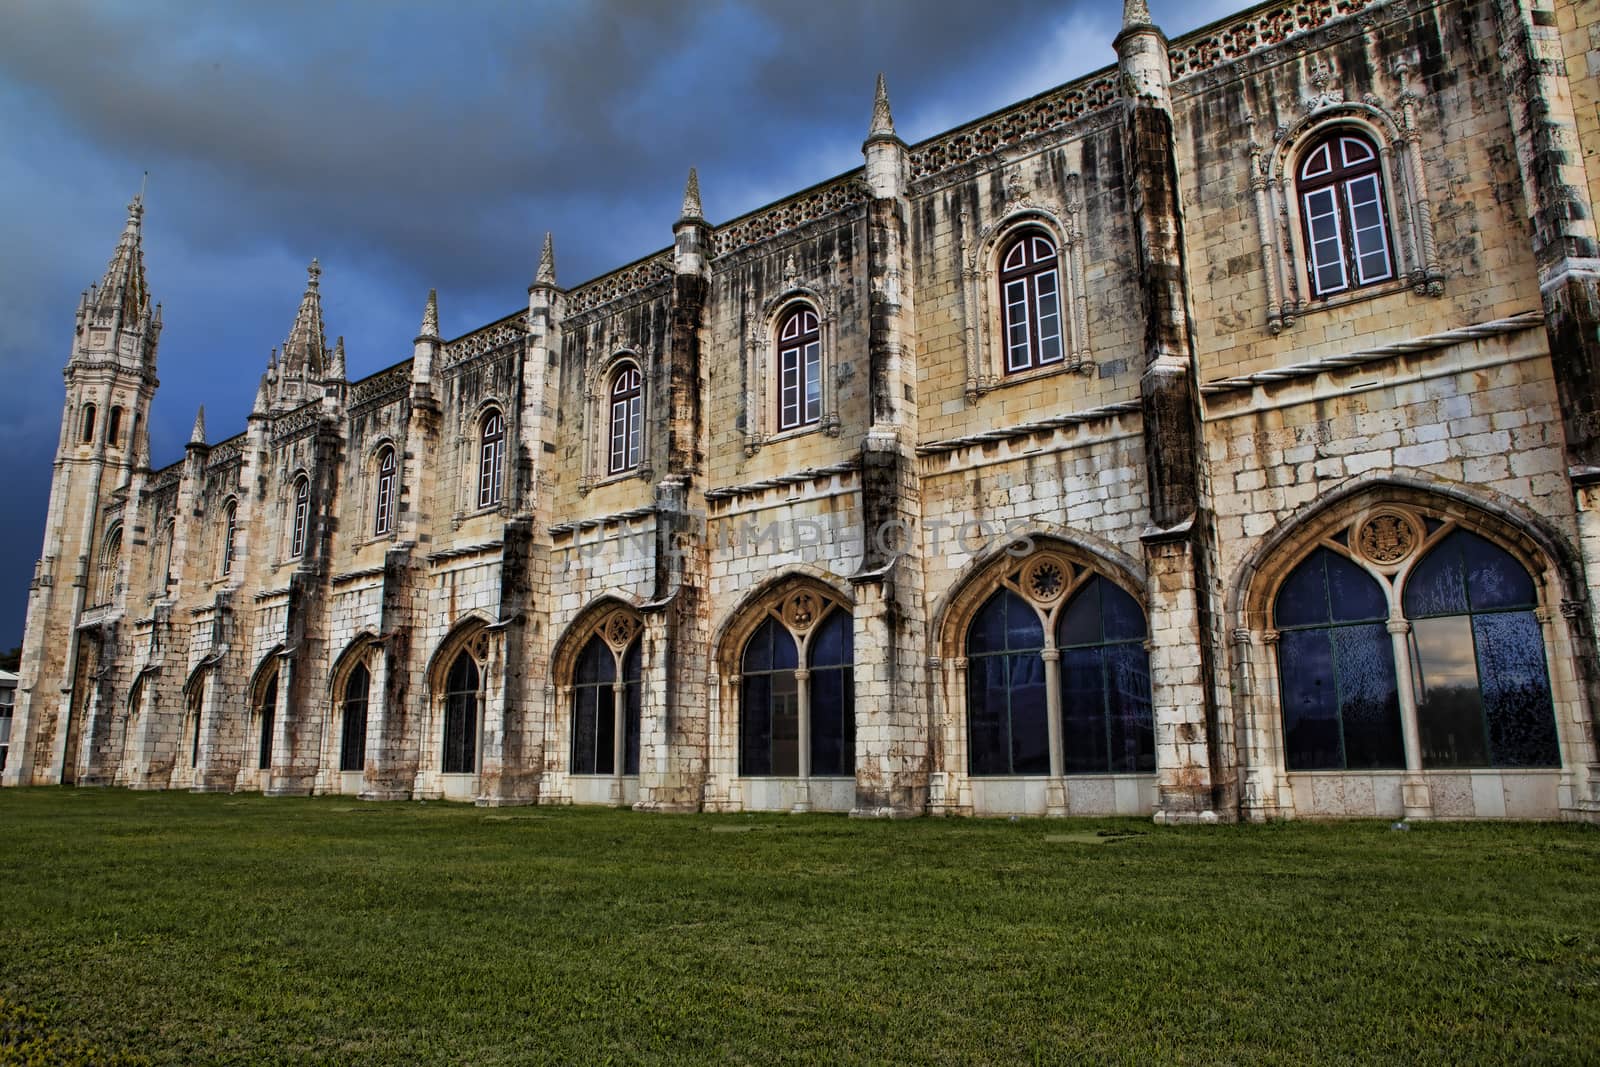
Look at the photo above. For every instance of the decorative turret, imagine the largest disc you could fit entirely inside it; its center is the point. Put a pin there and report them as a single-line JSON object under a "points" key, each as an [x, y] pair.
{"points": [[305, 351], [426, 348], [336, 364], [117, 311], [885, 151], [546, 275], [1142, 55], [691, 198], [197, 436], [692, 244]]}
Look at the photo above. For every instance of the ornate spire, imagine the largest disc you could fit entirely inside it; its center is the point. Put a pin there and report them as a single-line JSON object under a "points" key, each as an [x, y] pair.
{"points": [[305, 352], [123, 287], [547, 262], [882, 117], [430, 316], [1135, 13], [691, 197], [197, 436], [262, 402], [336, 367]]}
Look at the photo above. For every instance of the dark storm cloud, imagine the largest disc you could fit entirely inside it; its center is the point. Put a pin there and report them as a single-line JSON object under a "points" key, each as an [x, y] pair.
{"points": [[427, 144]]}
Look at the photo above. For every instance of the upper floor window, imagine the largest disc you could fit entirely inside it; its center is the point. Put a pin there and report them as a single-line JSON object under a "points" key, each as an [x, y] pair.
{"points": [[1030, 299], [88, 424], [491, 459], [1342, 211], [230, 528], [114, 427], [383, 506], [799, 369], [627, 417], [302, 516]]}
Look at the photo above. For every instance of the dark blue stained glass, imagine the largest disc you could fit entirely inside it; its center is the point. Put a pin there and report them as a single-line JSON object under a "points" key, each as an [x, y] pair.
{"points": [[1030, 726], [785, 723], [988, 716], [1310, 701], [583, 729], [463, 676], [633, 696], [1495, 580], [1369, 697], [605, 729], [633, 661], [1516, 690], [1080, 622], [1084, 741], [353, 729], [988, 630], [1303, 598], [1023, 628], [1129, 714], [1124, 619], [269, 707], [755, 725], [595, 663], [1435, 586], [833, 722], [1353, 594], [833, 645], [461, 716]]}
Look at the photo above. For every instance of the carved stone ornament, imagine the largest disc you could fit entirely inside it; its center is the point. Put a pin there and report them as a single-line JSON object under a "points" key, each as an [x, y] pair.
{"points": [[480, 647], [1045, 578], [802, 610], [1387, 537], [619, 629]]}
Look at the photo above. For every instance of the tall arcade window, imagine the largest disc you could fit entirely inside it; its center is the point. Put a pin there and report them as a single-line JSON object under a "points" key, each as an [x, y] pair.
{"points": [[197, 704], [1343, 214], [1341, 706], [796, 721], [1030, 297], [230, 529], [1483, 686], [491, 459], [114, 427], [266, 712], [799, 368], [88, 424], [461, 715], [627, 420], [353, 725], [606, 698], [110, 569], [1054, 627], [383, 505], [302, 517]]}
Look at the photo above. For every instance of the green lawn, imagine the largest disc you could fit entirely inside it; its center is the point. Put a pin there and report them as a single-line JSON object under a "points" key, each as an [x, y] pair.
{"points": [[239, 929]]}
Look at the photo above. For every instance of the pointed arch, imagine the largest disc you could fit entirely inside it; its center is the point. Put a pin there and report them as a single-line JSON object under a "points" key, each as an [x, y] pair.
{"points": [[742, 619]]}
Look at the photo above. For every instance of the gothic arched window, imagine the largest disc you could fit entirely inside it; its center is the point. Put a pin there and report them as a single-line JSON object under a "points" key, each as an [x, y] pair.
{"points": [[353, 724], [197, 703], [627, 420], [114, 426], [799, 368], [606, 699], [1058, 642], [491, 458], [383, 503], [87, 426], [1482, 681], [1007, 706], [796, 721], [461, 700], [266, 712], [110, 570], [1106, 720], [302, 517], [1030, 301], [1343, 214], [230, 529], [1341, 706]]}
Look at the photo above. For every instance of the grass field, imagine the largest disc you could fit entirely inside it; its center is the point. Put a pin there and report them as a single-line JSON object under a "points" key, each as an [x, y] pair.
{"points": [[239, 929]]}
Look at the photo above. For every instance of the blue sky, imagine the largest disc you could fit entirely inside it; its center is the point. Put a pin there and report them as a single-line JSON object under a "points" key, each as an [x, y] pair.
{"points": [[417, 145]]}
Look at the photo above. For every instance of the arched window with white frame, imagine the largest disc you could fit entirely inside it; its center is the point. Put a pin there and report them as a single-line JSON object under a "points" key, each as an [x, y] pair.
{"points": [[300, 517], [384, 497], [230, 531], [626, 424], [1030, 301], [491, 458], [799, 368], [1343, 213]]}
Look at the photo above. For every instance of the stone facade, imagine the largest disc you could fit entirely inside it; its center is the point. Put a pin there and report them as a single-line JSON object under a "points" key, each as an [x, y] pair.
{"points": [[1209, 417]]}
